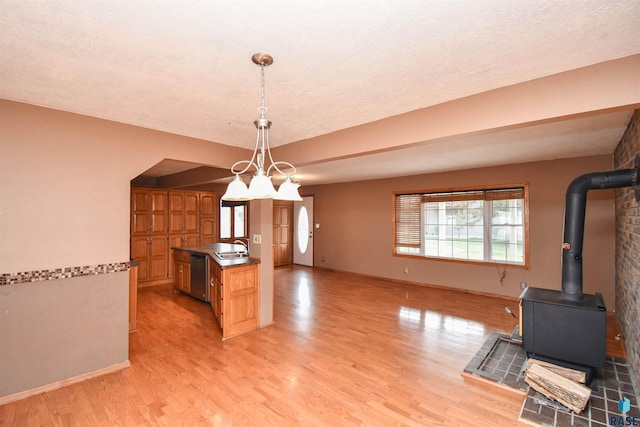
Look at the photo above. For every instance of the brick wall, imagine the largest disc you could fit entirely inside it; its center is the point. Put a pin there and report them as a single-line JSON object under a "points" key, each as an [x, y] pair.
{"points": [[628, 250]]}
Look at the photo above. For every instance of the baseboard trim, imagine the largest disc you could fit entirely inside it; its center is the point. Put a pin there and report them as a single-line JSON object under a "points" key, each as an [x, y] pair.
{"points": [[426, 285], [63, 383]]}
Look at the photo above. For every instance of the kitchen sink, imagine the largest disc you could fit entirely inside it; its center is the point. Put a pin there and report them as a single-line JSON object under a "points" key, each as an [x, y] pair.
{"points": [[232, 255]]}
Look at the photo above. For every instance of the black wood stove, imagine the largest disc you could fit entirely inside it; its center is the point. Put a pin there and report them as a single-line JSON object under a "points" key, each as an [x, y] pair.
{"points": [[568, 327]]}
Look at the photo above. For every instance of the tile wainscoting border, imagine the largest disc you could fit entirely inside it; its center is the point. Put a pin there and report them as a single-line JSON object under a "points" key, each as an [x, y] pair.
{"points": [[62, 273]]}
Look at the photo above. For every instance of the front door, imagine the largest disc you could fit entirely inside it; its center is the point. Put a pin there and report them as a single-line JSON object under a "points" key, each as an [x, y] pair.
{"points": [[303, 231]]}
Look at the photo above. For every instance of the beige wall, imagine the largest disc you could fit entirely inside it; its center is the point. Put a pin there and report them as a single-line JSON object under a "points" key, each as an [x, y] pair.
{"points": [[59, 329], [64, 202], [261, 222], [65, 184], [356, 235]]}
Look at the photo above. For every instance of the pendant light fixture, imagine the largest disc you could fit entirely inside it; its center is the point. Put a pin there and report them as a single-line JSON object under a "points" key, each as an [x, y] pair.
{"points": [[261, 186]]}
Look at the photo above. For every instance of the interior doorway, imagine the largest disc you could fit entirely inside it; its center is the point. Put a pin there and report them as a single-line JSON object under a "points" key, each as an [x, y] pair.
{"points": [[303, 232]]}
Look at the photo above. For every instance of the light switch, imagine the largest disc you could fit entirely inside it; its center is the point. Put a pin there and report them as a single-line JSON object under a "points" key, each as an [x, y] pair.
{"points": [[317, 225]]}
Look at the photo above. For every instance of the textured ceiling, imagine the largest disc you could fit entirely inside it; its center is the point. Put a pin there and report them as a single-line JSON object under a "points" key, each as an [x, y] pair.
{"points": [[185, 68]]}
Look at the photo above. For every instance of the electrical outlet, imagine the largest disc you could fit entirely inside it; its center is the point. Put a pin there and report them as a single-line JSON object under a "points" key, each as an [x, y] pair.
{"points": [[322, 259], [257, 239], [406, 270], [523, 285]]}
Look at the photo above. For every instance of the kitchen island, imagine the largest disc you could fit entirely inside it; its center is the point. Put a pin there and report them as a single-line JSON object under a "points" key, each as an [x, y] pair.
{"points": [[232, 279]]}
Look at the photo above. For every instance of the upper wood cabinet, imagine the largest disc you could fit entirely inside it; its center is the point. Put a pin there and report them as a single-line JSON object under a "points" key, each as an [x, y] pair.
{"points": [[208, 223], [149, 211], [184, 212], [208, 204], [208, 230], [162, 219]]}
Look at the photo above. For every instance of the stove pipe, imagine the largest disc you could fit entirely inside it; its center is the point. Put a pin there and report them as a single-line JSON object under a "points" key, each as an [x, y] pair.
{"points": [[575, 207]]}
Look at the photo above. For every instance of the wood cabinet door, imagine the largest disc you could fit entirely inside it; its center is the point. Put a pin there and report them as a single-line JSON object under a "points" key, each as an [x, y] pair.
{"points": [[208, 204], [176, 212], [182, 279], [215, 275], [192, 239], [241, 299], [207, 230], [148, 211], [213, 296], [186, 278], [191, 218], [183, 212], [140, 212], [153, 255], [216, 300], [178, 276], [140, 253], [158, 211], [175, 241], [158, 258]]}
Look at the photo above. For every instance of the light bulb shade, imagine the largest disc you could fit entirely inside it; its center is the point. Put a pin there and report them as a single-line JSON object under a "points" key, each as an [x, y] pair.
{"points": [[237, 191], [261, 187], [288, 191]]}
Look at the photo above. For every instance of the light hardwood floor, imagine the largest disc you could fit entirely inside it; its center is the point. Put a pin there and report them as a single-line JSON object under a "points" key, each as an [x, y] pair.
{"points": [[344, 350]]}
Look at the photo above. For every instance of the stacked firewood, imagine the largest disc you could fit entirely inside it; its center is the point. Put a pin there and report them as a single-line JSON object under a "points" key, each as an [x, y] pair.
{"points": [[565, 386]]}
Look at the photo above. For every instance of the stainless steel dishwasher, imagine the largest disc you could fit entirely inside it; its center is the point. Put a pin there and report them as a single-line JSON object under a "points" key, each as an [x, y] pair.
{"points": [[199, 288]]}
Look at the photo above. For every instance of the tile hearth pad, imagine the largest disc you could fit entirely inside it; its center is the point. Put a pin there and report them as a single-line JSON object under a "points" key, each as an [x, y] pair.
{"points": [[502, 360], [612, 383]]}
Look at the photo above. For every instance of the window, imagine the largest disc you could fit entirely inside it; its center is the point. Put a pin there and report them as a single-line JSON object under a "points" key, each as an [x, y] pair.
{"points": [[487, 225], [233, 220]]}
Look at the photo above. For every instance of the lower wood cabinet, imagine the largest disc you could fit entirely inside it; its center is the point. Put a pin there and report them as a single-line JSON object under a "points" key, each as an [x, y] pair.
{"points": [[235, 297], [178, 241], [182, 271], [133, 297], [152, 252]]}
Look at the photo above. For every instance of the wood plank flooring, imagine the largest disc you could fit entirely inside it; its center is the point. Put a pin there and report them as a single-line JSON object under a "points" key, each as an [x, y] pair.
{"points": [[344, 350]]}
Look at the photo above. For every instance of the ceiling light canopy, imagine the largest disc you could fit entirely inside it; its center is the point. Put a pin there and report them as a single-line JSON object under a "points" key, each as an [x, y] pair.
{"points": [[261, 186]]}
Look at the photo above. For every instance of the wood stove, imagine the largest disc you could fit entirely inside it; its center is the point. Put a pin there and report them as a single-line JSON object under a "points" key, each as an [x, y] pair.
{"points": [[568, 327], [555, 329]]}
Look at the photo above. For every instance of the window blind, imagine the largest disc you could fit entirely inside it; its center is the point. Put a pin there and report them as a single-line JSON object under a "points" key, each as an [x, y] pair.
{"points": [[408, 220], [491, 194]]}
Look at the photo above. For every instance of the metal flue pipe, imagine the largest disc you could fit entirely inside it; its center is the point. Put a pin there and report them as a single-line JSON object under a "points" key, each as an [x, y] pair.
{"points": [[575, 207]]}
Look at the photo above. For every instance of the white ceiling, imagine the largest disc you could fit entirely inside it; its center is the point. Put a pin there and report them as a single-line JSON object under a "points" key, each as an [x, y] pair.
{"points": [[184, 67]]}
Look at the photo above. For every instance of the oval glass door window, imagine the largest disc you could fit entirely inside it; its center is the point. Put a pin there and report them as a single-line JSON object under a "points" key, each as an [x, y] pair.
{"points": [[303, 230]]}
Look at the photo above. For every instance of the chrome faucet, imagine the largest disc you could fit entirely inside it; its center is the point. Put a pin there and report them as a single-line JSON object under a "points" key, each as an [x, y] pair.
{"points": [[246, 245]]}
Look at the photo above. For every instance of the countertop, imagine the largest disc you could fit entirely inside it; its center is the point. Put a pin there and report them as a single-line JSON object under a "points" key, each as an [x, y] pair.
{"points": [[212, 248]]}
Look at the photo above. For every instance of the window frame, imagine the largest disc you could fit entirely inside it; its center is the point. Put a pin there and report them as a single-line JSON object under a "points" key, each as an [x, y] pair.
{"points": [[233, 206], [485, 188]]}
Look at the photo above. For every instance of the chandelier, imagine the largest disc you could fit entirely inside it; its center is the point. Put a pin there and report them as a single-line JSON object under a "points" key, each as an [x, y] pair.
{"points": [[261, 186]]}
